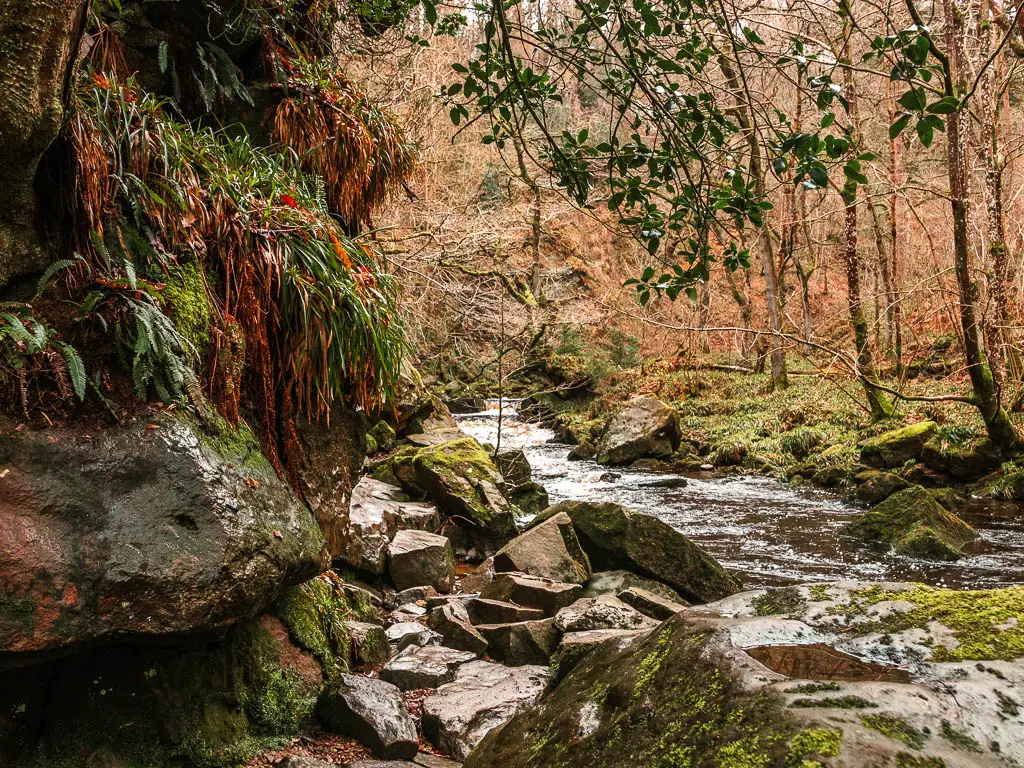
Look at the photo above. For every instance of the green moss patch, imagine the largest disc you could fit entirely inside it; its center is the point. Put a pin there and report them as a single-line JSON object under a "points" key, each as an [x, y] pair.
{"points": [[315, 614], [895, 728]]}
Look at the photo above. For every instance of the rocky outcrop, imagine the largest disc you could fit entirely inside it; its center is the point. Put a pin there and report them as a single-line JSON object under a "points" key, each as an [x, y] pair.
{"points": [[461, 479], [616, 537], [550, 549], [154, 528], [644, 428], [913, 523], [372, 712], [482, 697], [732, 684], [418, 558], [377, 512], [898, 446]]}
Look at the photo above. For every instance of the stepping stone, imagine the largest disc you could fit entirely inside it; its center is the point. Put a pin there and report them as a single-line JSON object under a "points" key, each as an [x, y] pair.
{"points": [[411, 633], [452, 621], [373, 713], [519, 643], [650, 604], [546, 595], [419, 559], [369, 643], [483, 611], [426, 667], [605, 612], [550, 550], [482, 697], [376, 511]]}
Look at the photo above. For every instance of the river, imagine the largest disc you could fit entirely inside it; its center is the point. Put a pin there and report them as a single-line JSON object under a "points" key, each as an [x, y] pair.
{"points": [[761, 528]]}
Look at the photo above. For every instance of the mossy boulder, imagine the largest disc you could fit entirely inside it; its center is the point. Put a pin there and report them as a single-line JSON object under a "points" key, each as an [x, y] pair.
{"points": [[644, 428], [915, 524], [383, 436], [875, 487], [968, 459], [155, 527], [616, 537], [531, 498], [1006, 483], [898, 446]]}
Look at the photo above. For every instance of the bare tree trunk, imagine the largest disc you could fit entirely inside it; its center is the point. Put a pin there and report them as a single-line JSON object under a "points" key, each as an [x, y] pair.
{"points": [[40, 41], [986, 393], [893, 294], [535, 234]]}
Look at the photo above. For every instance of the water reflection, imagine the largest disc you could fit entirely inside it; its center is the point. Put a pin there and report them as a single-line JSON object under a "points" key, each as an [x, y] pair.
{"points": [[764, 530]]}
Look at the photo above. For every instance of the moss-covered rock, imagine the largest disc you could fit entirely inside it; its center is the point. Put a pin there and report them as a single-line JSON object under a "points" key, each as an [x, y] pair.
{"points": [[315, 614], [913, 523], [616, 537], [383, 435], [898, 446], [644, 428], [875, 487], [966, 459]]}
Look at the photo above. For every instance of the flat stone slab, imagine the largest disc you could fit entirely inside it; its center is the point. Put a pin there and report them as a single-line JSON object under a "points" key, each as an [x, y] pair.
{"points": [[484, 611], [650, 604], [523, 642], [409, 633], [605, 612], [546, 595], [424, 667], [452, 622], [482, 697], [373, 713]]}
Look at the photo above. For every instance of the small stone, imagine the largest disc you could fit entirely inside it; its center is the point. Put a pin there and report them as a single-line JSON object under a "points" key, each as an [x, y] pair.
{"points": [[373, 713], [413, 595], [426, 667], [452, 622], [483, 611], [369, 643], [301, 761], [411, 633], [523, 642], [419, 558]]}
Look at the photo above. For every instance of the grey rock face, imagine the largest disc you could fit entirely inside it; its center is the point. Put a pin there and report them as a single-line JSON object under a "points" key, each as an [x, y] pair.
{"points": [[424, 667], [605, 612], [546, 595], [551, 550], [372, 712], [482, 697], [650, 604], [646, 427], [419, 558]]}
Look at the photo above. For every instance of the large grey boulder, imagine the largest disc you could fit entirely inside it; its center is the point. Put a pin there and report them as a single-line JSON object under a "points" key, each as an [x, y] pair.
{"points": [[616, 537], [373, 713], [523, 642], [418, 558], [575, 645], [644, 428], [424, 667], [377, 512], [550, 549], [546, 595], [156, 527], [482, 697], [605, 612]]}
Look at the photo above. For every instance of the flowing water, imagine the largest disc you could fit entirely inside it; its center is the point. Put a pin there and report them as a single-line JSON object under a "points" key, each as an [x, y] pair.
{"points": [[759, 527]]}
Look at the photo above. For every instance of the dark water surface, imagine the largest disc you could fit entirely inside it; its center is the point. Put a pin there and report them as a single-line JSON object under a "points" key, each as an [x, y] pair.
{"points": [[761, 528]]}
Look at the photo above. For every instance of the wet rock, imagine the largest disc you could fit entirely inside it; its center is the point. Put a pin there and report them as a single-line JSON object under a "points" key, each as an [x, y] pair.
{"points": [[452, 622], [408, 633], [531, 498], [408, 612], [575, 645], [546, 595], [413, 595], [875, 487], [302, 761], [585, 450], [666, 482], [645, 427], [609, 477], [383, 435], [913, 523], [605, 612], [142, 531], [898, 446], [418, 558], [616, 537], [380, 764], [424, 667], [650, 604], [523, 642], [369, 643], [615, 582], [949, 498], [427, 760], [482, 697], [477, 580], [514, 467], [373, 713], [967, 460], [483, 611], [379, 510], [550, 549]]}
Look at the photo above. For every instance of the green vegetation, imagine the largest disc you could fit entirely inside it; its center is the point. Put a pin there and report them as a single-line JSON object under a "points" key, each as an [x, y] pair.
{"points": [[779, 600], [315, 614], [813, 743], [895, 728], [835, 702]]}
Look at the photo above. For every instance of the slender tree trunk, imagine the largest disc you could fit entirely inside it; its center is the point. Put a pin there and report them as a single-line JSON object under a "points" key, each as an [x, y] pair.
{"points": [[780, 380], [893, 295], [879, 404], [986, 392], [39, 42], [535, 233]]}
